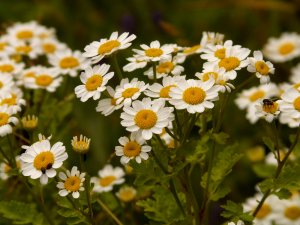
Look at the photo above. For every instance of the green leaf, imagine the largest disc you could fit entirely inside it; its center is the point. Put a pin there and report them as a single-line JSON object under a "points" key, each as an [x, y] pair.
{"points": [[234, 211], [19, 212], [283, 194], [221, 192], [269, 143], [162, 207], [221, 138], [264, 170]]}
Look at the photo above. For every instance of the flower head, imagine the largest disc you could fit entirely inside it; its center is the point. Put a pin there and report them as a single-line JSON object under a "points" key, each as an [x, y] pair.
{"points": [[72, 182], [29, 122], [126, 194], [81, 144]]}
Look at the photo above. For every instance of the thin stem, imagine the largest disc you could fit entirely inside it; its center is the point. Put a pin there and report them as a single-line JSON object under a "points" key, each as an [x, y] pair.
{"points": [[116, 66], [109, 212], [177, 123], [75, 207], [5, 157], [154, 71], [193, 197], [87, 188], [21, 137], [11, 151], [171, 134], [159, 162], [278, 171], [276, 140]]}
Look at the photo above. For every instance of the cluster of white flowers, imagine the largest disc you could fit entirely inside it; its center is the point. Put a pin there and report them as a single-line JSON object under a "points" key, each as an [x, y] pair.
{"points": [[274, 210]]}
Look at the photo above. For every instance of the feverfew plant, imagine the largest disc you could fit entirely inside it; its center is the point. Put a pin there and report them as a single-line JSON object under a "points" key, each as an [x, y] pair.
{"points": [[175, 158]]}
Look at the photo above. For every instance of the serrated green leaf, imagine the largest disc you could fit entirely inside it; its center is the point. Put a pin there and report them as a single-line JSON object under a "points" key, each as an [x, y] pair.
{"points": [[14, 211], [221, 192], [234, 211], [283, 194], [221, 138], [162, 207], [269, 143]]}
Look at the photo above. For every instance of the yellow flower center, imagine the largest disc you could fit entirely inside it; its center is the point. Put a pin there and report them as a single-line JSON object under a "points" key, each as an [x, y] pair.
{"points": [[229, 63], [72, 183], [286, 48], [108, 46], [194, 95], [191, 49], [220, 53], [262, 67], [129, 92], [292, 212], [4, 119], [1, 84], [25, 34], [271, 107], [82, 145], [165, 67], [113, 101], [154, 52], [30, 74], [9, 101], [29, 122], [132, 149], [6, 68], [165, 91], [49, 48], [145, 119], [93, 82], [43, 161], [106, 181], [257, 95], [126, 195], [43, 80], [7, 168], [263, 211], [297, 104], [207, 75], [2, 45], [69, 62], [222, 82], [23, 49]]}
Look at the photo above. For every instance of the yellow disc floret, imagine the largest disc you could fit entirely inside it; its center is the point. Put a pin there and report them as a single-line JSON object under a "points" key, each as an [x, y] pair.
{"points": [[229, 63], [129, 92], [132, 149], [68, 62], [106, 181], [6, 68], [292, 212], [93, 82], [153, 52], [3, 118], [257, 95], [262, 68], [44, 161], [165, 67], [264, 211], [145, 119], [43, 80], [194, 95], [286, 48], [72, 183], [108, 46], [165, 91]]}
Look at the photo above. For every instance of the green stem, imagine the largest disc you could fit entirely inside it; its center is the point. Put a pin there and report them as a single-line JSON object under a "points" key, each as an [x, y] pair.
{"points": [[171, 134], [276, 140], [193, 197], [154, 71], [87, 189], [11, 151], [77, 209], [179, 131], [22, 138], [116, 66], [278, 171], [109, 212], [6, 157]]}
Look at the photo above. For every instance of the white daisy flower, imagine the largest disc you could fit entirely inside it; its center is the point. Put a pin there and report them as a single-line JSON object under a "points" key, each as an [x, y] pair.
{"points": [[164, 68], [97, 50], [108, 177], [40, 160], [23, 31], [214, 53], [295, 75], [72, 182], [94, 81], [290, 103], [127, 91], [235, 59], [134, 63], [126, 194], [5, 47], [132, 148], [6, 83], [8, 67], [6, 121], [154, 52], [13, 100], [194, 95], [68, 62], [147, 117], [45, 78], [211, 38], [5, 168], [261, 68], [284, 48], [251, 96], [108, 105], [30, 72], [267, 109], [81, 144], [51, 46], [45, 33], [266, 214], [292, 122], [29, 122], [288, 211], [31, 49], [162, 91]]}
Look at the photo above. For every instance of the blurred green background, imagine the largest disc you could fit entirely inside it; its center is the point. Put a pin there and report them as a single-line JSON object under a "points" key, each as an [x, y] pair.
{"points": [[246, 22]]}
